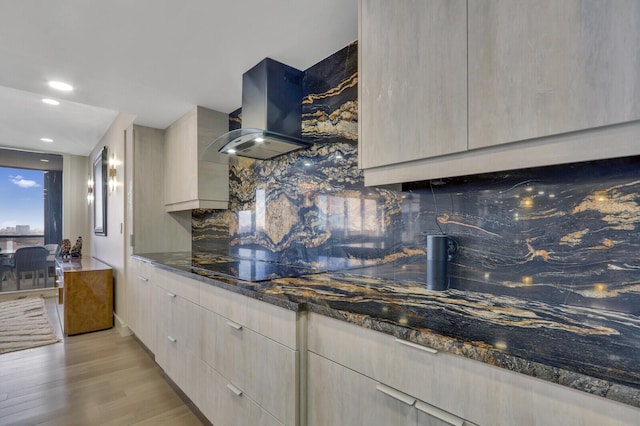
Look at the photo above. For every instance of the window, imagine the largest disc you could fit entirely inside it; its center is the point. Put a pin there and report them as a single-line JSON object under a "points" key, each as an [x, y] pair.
{"points": [[30, 198], [22, 207]]}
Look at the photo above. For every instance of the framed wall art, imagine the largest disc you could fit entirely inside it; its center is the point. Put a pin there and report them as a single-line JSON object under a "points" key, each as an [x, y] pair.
{"points": [[100, 170]]}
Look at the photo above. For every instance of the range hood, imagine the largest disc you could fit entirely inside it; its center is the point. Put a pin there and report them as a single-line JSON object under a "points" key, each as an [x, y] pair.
{"points": [[271, 114]]}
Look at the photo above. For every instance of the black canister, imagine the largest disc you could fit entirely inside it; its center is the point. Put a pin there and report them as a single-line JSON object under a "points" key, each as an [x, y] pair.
{"points": [[440, 249]]}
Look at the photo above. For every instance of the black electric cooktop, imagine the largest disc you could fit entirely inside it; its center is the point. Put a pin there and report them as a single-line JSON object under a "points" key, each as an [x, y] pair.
{"points": [[254, 270]]}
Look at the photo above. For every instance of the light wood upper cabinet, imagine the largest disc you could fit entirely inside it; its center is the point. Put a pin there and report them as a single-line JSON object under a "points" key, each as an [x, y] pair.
{"points": [[549, 67], [548, 82], [189, 182], [412, 80]]}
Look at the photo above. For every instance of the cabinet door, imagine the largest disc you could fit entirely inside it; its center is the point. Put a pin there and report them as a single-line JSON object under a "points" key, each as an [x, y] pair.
{"points": [[181, 156], [412, 80], [340, 396], [264, 369], [142, 310], [178, 341], [549, 67]]}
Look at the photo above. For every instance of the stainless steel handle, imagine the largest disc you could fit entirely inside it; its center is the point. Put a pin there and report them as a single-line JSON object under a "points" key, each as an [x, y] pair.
{"points": [[171, 294], [417, 346], [234, 325], [172, 339], [141, 278], [395, 394], [234, 389], [436, 412]]}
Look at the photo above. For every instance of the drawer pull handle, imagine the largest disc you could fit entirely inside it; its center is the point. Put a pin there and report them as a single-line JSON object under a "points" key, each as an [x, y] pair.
{"points": [[141, 278], [402, 397], [235, 390], [171, 294], [417, 346], [439, 414], [172, 339], [234, 325]]}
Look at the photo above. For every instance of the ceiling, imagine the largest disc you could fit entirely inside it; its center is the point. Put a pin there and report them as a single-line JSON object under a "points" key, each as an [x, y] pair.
{"points": [[154, 59]]}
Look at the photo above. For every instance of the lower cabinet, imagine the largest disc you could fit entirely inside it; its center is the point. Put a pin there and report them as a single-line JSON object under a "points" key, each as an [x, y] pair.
{"points": [[260, 368], [346, 361], [339, 395], [240, 361], [223, 403], [141, 309], [177, 339], [235, 357]]}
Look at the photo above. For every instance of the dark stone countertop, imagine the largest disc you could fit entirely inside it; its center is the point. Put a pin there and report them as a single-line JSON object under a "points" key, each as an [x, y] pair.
{"points": [[585, 348]]}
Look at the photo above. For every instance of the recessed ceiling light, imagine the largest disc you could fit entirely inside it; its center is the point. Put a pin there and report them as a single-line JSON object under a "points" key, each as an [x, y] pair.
{"points": [[46, 139], [231, 151], [259, 139], [44, 160], [60, 85], [50, 101]]}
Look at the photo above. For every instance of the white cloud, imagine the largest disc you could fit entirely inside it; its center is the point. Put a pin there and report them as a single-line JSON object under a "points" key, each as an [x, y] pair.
{"points": [[22, 182]]}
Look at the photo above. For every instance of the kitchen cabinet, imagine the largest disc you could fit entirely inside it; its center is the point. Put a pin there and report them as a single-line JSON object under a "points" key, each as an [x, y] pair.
{"points": [[547, 83], [189, 182], [412, 80], [145, 196], [177, 326], [551, 67], [444, 386], [339, 395], [225, 404], [141, 307], [260, 365]]}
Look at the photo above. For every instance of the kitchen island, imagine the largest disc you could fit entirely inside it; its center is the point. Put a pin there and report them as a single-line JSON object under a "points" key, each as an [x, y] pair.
{"points": [[586, 349]]}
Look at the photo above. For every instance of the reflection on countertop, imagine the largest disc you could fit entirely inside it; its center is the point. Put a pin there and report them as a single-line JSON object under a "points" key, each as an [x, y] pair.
{"points": [[586, 348]]}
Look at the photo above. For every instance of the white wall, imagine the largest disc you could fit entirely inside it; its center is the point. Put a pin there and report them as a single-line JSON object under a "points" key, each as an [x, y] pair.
{"points": [[110, 249], [75, 209]]}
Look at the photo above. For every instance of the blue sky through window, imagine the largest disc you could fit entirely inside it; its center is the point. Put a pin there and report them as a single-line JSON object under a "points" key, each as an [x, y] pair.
{"points": [[21, 199]]}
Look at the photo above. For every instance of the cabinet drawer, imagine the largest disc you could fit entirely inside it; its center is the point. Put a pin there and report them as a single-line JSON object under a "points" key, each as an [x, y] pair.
{"points": [[272, 321], [226, 404], [266, 370], [392, 361], [184, 287], [340, 396]]}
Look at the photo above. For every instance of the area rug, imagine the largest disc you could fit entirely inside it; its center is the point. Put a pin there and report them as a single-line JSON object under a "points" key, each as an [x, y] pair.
{"points": [[24, 324]]}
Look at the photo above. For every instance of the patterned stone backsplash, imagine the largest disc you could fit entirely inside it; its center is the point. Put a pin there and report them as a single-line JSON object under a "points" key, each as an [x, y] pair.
{"points": [[563, 234]]}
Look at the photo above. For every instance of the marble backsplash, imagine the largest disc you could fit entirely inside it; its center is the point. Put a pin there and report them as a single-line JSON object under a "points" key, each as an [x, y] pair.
{"points": [[563, 234]]}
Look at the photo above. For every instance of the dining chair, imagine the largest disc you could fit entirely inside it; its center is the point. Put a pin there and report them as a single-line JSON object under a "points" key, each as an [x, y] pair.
{"points": [[30, 259]]}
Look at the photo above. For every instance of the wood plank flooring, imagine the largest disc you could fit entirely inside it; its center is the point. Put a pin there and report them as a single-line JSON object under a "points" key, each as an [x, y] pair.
{"points": [[99, 378]]}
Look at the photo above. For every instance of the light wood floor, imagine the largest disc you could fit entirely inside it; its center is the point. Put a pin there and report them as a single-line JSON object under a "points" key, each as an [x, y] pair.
{"points": [[99, 378]]}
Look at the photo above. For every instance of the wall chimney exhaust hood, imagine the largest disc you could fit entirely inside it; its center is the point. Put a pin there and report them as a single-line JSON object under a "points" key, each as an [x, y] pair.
{"points": [[271, 114]]}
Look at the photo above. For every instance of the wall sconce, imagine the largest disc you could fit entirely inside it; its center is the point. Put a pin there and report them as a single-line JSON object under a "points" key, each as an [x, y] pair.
{"points": [[89, 191], [112, 173]]}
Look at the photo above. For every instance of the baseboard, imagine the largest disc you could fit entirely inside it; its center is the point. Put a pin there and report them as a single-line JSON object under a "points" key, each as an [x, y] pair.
{"points": [[121, 326]]}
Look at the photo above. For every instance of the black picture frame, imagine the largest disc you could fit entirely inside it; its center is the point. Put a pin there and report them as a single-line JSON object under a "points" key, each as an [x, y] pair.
{"points": [[100, 173]]}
